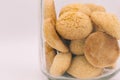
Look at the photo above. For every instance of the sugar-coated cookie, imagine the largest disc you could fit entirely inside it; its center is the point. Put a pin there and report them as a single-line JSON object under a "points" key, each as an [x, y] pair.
{"points": [[74, 25]]}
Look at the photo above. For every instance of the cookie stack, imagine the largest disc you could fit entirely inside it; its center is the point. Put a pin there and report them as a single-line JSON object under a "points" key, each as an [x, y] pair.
{"points": [[82, 41]]}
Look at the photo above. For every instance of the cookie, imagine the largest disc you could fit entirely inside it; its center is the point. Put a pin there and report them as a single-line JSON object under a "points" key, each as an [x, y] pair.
{"points": [[75, 8], [77, 46], [94, 7], [52, 38], [49, 54], [49, 10], [108, 22], [101, 50], [81, 68], [60, 64], [74, 25]]}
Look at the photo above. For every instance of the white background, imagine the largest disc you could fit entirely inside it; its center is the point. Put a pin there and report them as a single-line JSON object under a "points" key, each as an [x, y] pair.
{"points": [[19, 39]]}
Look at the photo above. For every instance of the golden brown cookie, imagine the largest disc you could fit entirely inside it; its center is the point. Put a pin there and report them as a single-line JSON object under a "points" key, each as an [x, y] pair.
{"points": [[74, 25], [94, 7], [52, 38], [77, 46], [101, 50], [60, 64], [75, 8], [49, 10], [49, 54], [108, 22], [81, 68]]}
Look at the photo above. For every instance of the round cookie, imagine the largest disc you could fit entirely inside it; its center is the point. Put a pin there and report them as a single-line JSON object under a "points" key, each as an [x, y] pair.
{"points": [[49, 10], [108, 22], [101, 50], [81, 68], [74, 25], [75, 8], [77, 46], [52, 38], [49, 54], [94, 7], [60, 64]]}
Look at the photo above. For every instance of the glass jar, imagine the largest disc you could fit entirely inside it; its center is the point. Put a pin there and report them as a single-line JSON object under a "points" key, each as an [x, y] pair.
{"points": [[111, 6]]}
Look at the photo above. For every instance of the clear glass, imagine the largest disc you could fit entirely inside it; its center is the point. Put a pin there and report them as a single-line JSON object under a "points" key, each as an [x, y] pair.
{"points": [[111, 6]]}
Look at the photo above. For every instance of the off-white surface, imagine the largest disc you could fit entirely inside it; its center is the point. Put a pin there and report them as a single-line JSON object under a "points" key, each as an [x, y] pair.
{"points": [[19, 40]]}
